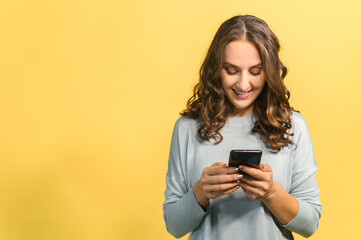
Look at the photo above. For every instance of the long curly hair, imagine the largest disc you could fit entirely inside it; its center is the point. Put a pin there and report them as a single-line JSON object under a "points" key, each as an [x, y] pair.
{"points": [[209, 103]]}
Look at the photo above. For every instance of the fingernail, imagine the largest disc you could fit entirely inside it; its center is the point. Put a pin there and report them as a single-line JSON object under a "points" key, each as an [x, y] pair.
{"points": [[262, 167], [237, 186], [236, 169], [240, 167], [238, 181], [240, 176]]}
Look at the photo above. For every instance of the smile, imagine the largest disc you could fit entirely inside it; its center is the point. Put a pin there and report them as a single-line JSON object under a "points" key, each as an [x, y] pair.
{"points": [[242, 94]]}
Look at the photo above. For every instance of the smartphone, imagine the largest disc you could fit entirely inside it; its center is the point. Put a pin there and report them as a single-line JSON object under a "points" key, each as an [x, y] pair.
{"points": [[250, 158]]}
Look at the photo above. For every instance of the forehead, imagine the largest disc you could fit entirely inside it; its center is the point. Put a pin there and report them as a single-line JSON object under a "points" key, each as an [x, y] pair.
{"points": [[242, 53]]}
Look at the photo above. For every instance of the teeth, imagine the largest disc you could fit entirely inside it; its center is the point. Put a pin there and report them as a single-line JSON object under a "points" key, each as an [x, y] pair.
{"points": [[241, 93]]}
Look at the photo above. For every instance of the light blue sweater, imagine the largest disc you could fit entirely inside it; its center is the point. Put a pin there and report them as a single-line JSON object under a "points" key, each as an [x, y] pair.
{"points": [[234, 216]]}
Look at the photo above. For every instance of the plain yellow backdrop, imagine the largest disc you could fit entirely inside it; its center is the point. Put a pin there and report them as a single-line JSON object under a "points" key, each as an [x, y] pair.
{"points": [[90, 91]]}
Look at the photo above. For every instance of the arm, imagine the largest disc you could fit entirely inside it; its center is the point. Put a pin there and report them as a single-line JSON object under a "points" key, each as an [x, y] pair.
{"points": [[282, 205], [261, 186], [304, 185], [299, 209], [184, 208], [181, 212]]}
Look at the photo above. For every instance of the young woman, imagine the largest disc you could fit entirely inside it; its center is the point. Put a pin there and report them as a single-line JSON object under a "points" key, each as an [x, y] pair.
{"points": [[241, 102]]}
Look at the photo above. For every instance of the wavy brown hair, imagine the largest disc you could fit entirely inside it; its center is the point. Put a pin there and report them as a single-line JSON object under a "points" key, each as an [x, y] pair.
{"points": [[209, 103]]}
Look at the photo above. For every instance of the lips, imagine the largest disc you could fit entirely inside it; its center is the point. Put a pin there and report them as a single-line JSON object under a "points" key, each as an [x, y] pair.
{"points": [[240, 92]]}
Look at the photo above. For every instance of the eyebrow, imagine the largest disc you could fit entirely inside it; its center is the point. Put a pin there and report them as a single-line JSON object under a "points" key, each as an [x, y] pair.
{"points": [[236, 67]]}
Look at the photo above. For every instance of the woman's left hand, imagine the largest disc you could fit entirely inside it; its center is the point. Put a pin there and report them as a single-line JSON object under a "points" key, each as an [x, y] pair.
{"points": [[258, 184]]}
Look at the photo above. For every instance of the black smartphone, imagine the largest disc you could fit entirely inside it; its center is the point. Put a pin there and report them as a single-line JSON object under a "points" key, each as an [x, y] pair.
{"points": [[250, 158]]}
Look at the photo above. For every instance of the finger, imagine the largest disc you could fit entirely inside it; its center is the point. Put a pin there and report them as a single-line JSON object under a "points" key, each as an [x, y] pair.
{"points": [[253, 172], [231, 190], [221, 187], [214, 169], [251, 192], [252, 181], [265, 168], [251, 195], [259, 188], [231, 170], [258, 174], [219, 179], [221, 169]]}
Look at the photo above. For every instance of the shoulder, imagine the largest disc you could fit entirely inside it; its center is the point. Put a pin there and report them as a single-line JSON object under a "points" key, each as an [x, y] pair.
{"points": [[298, 121], [186, 124], [299, 127], [186, 127], [185, 131]]}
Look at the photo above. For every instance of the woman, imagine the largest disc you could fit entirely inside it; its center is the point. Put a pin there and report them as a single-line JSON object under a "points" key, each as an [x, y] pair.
{"points": [[241, 102]]}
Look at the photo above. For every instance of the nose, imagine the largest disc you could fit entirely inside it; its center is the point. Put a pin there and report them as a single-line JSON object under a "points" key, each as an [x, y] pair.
{"points": [[243, 83]]}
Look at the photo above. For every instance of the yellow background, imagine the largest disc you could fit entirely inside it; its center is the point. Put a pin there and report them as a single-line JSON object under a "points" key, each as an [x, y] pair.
{"points": [[90, 91]]}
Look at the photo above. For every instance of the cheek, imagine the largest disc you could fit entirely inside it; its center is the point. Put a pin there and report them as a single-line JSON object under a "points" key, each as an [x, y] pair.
{"points": [[260, 83], [227, 81], [224, 81]]}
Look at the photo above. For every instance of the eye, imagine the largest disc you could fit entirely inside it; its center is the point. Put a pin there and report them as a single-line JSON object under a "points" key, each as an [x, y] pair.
{"points": [[231, 71], [256, 72]]}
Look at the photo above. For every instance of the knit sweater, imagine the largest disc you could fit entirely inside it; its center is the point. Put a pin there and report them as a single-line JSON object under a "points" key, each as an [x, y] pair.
{"points": [[235, 216]]}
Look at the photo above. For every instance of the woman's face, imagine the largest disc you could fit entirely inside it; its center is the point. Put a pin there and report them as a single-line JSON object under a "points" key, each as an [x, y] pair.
{"points": [[242, 76]]}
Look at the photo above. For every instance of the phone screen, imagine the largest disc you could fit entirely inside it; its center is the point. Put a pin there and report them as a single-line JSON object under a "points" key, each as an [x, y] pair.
{"points": [[250, 158]]}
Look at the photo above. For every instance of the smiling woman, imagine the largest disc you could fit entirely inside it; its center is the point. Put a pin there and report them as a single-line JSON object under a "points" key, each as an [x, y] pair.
{"points": [[241, 103], [242, 45], [242, 76]]}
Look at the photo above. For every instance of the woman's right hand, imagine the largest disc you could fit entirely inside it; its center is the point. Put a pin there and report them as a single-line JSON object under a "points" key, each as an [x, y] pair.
{"points": [[216, 180]]}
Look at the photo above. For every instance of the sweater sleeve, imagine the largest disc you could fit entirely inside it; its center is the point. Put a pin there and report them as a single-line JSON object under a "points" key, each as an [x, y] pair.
{"points": [[181, 211], [304, 186]]}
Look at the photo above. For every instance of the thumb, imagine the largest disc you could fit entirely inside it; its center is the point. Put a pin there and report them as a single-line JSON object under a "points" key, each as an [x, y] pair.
{"points": [[220, 164], [265, 168]]}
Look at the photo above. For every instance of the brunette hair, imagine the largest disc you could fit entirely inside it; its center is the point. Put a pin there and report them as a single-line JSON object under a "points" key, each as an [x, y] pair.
{"points": [[209, 103]]}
